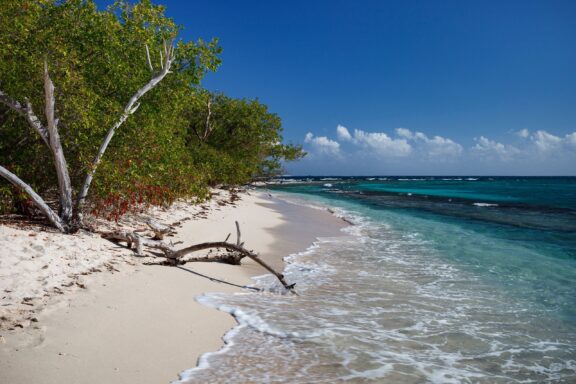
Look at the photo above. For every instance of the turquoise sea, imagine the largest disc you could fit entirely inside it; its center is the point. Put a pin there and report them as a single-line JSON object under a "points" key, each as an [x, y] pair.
{"points": [[440, 280]]}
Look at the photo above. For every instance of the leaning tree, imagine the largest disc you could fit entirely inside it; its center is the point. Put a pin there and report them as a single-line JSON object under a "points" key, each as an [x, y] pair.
{"points": [[102, 69], [68, 219]]}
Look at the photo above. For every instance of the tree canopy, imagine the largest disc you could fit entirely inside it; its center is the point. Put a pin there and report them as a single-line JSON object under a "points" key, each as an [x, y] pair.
{"points": [[97, 59]]}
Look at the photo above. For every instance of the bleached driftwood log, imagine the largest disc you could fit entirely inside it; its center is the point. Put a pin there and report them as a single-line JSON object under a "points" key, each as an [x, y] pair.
{"points": [[160, 230], [137, 242], [176, 257]]}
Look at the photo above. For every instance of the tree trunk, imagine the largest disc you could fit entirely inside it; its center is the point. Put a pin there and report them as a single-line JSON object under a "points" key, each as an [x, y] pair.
{"points": [[64, 184], [36, 199]]}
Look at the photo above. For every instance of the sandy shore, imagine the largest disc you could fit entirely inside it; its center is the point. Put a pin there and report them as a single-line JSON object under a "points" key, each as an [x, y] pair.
{"points": [[61, 323]]}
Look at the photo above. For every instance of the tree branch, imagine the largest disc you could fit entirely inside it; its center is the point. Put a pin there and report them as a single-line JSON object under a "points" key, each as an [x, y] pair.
{"points": [[148, 59], [28, 113], [160, 230], [208, 127], [130, 108], [175, 257], [36, 199], [234, 248]]}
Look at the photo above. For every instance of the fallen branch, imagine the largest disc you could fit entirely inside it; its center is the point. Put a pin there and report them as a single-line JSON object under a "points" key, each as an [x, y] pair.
{"points": [[134, 240], [176, 257], [234, 248], [160, 230]]}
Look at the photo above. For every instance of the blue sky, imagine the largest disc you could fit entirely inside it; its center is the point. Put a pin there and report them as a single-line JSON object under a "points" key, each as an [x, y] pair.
{"points": [[404, 87]]}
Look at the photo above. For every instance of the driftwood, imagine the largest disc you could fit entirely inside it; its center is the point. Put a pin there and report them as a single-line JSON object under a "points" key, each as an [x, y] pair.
{"points": [[137, 242], [160, 230], [176, 257]]}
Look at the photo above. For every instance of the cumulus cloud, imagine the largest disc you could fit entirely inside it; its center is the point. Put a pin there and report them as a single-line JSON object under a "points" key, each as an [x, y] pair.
{"points": [[437, 147], [342, 133], [376, 142], [403, 151], [405, 133], [381, 143], [538, 148], [493, 150], [322, 144], [545, 141], [571, 139]]}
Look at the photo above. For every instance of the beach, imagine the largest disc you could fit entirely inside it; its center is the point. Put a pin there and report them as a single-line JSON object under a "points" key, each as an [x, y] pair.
{"points": [[439, 280], [436, 280], [84, 310]]}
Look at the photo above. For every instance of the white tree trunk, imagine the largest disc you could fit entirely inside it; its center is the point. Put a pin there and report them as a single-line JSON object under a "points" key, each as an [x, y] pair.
{"points": [[38, 201], [64, 184], [129, 109]]}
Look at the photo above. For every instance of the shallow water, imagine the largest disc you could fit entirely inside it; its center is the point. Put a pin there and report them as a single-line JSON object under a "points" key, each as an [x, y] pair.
{"points": [[421, 289]]}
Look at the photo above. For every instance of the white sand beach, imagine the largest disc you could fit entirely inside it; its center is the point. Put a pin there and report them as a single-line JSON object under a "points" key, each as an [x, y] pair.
{"points": [[80, 309]]}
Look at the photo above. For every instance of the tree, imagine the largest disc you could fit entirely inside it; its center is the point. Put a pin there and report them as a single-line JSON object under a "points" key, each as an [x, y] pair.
{"points": [[236, 140], [51, 137], [92, 57]]}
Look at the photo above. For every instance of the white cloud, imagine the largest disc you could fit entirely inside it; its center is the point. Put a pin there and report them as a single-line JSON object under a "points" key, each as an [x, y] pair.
{"points": [[411, 152], [322, 145], [382, 144], [378, 142], [437, 147], [405, 133], [493, 150], [545, 141], [571, 139], [441, 147], [342, 133]]}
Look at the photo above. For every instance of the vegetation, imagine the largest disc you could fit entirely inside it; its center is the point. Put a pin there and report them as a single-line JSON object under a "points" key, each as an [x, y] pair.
{"points": [[235, 140], [180, 140]]}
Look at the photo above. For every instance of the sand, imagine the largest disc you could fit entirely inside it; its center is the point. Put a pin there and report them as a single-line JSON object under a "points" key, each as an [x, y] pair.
{"points": [[65, 322]]}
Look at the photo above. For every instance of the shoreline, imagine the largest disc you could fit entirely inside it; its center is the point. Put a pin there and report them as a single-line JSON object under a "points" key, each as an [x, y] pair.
{"points": [[142, 323]]}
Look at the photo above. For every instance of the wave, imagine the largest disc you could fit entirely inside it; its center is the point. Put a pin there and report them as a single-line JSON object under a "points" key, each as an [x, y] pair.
{"points": [[485, 204], [380, 303], [413, 179]]}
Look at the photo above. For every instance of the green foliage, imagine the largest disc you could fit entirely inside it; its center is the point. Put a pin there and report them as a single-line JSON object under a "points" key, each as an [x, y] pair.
{"points": [[244, 140], [97, 60]]}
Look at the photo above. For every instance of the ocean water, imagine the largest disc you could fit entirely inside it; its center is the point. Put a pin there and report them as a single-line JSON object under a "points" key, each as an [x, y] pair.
{"points": [[440, 280]]}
